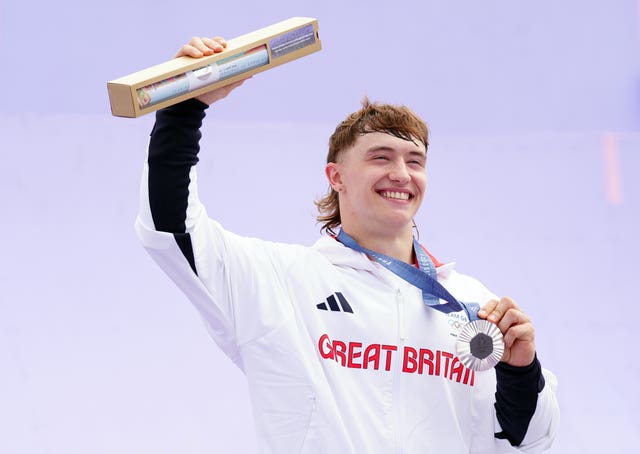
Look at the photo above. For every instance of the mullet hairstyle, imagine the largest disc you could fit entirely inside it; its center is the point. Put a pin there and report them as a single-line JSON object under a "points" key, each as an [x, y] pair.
{"points": [[398, 121]]}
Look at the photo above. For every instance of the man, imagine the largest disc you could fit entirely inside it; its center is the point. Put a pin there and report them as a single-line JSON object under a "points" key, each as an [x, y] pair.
{"points": [[340, 353]]}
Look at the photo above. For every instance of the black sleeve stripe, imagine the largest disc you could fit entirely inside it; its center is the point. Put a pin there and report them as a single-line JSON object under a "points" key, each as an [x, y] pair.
{"points": [[516, 399], [173, 151], [168, 195], [184, 243]]}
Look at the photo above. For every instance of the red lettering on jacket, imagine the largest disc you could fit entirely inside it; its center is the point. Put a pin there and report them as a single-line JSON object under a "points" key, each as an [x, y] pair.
{"points": [[325, 347], [423, 361], [426, 357], [354, 354], [340, 349], [447, 356], [389, 349], [409, 363], [371, 355]]}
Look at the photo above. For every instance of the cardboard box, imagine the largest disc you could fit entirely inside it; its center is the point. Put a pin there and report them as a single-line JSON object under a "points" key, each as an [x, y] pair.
{"points": [[185, 77]]}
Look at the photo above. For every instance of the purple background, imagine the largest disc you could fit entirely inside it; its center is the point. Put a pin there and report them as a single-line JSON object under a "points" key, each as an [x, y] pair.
{"points": [[534, 157]]}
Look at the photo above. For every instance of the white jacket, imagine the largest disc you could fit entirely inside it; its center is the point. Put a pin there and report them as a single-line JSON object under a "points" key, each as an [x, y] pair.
{"points": [[341, 356]]}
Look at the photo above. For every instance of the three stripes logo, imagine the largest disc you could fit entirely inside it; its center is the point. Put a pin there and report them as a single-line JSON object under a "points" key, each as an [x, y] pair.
{"points": [[335, 305]]}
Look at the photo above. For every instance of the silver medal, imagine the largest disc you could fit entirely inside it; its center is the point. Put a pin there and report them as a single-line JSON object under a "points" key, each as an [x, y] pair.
{"points": [[480, 345]]}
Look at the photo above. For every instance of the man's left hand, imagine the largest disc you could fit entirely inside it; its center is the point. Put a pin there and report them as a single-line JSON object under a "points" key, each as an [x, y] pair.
{"points": [[517, 329]]}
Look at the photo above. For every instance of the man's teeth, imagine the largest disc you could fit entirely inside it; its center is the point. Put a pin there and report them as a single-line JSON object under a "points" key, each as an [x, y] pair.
{"points": [[395, 195]]}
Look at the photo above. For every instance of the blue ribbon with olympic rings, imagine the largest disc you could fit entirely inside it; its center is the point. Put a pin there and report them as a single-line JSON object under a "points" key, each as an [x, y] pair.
{"points": [[424, 278]]}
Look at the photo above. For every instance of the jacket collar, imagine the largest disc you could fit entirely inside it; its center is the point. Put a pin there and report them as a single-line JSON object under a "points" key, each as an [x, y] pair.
{"points": [[340, 255]]}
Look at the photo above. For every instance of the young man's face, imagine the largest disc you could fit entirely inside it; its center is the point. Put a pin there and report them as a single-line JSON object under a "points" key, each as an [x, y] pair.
{"points": [[381, 182]]}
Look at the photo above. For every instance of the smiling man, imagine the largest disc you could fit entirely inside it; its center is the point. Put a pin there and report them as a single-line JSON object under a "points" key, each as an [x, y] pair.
{"points": [[379, 171], [340, 351]]}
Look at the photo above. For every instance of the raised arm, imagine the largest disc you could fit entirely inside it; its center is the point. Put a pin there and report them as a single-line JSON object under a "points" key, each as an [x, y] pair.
{"points": [[168, 192], [174, 147]]}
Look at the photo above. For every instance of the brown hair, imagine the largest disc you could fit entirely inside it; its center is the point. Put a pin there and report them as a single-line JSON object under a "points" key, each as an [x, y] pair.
{"points": [[399, 121]]}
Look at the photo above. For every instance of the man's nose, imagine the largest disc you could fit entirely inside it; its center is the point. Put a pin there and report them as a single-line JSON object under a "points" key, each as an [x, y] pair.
{"points": [[399, 173]]}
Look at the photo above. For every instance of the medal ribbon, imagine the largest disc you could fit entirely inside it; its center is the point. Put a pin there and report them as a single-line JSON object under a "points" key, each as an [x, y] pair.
{"points": [[425, 278]]}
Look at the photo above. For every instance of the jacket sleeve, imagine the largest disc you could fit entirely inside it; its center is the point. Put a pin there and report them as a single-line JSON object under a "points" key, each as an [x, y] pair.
{"points": [[230, 279], [173, 154], [525, 406]]}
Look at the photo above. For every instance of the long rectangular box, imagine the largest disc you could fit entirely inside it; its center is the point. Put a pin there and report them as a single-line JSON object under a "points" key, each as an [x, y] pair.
{"points": [[185, 77]]}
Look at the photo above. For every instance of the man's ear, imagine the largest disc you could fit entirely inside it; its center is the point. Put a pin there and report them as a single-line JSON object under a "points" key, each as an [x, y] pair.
{"points": [[332, 170]]}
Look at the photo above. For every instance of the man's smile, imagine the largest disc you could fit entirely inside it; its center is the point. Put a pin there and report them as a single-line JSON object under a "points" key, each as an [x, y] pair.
{"points": [[397, 195]]}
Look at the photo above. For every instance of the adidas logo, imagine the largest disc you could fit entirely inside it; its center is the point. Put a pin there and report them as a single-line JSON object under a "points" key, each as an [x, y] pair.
{"points": [[335, 305]]}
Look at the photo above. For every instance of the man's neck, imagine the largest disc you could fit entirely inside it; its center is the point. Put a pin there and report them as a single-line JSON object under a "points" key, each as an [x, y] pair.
{"points": [[399, 246]]}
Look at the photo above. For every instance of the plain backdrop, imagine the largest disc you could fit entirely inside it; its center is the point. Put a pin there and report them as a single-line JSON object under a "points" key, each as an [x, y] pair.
{"points": [[533, 189]]}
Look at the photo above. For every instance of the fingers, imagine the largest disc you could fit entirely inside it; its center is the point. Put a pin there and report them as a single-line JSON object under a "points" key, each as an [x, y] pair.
{"points": [[217, 43], [516, 327], [201, 46], [494, 310], [519, 333], [505, 313], [519, 345]]}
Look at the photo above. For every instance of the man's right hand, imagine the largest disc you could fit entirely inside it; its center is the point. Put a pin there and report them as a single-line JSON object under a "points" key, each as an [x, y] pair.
{"points": [[200, 47]]}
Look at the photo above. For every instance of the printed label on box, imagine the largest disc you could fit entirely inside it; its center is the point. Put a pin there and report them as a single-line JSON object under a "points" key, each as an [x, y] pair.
{"points": [[293, 40]]}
